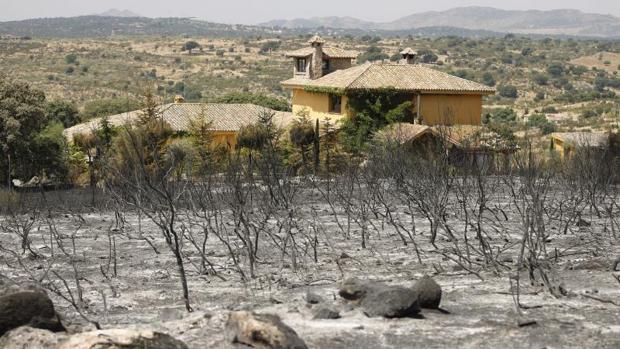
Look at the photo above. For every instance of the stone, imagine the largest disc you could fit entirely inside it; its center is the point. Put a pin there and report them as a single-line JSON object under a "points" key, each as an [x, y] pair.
{"points": [[325, 312], [261, 331], [32, 308], [122, 339], [26, 337], [313, 298], [354, 289], [390, 302], [429, 292]]}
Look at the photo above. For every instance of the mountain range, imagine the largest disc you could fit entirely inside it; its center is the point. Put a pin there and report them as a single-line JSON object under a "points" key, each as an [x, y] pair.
{"points": [[552, 22], [464, 21]]}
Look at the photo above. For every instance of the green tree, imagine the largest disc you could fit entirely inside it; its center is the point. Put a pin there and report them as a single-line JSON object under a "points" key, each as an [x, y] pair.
{"points": [[22, 117], [302, 135], [190, 45], [63, 112]]}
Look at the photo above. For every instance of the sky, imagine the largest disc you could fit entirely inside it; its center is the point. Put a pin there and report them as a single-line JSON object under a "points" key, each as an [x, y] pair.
{"points": [[258, 11]]}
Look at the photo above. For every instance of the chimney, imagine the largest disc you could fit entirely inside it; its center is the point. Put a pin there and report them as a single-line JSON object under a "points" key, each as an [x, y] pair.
{"points": [[316, 68], [409, 56]]}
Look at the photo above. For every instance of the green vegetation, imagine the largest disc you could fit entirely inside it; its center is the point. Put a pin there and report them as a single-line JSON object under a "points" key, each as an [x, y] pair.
{"points": [[372, 111], [62, 112], [189, 46], [373, 53], [110, 106], [273, 103], [31, 146], [540, 121]]}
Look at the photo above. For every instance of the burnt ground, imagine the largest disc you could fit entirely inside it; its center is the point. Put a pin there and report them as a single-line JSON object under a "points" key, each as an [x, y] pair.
{"points": [[478, 312]]}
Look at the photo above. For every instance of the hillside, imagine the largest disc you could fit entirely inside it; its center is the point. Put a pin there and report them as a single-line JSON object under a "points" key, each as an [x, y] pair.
{"points": [[556, 22], [100, 26]]}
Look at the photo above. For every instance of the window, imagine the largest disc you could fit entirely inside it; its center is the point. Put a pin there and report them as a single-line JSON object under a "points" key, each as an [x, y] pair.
{"points": [[326, 65], [301, 65], [335, 104]]}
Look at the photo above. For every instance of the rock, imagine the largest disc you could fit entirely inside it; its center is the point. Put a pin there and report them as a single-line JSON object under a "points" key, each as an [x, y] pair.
{"points": [[344, 255], [390, 302], [261, 331], [26, 337], [615, 264], [325, 312], [429, 292], [354, 289], [32, 308], [122, 339], [313, 298], [582, 223]]}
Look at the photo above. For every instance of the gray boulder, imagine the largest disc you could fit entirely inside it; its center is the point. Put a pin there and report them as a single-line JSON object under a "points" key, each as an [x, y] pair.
{"points": [[390, 302], [261, 331], [429, 292], [28, 308], [325, 312], [354, 289]]}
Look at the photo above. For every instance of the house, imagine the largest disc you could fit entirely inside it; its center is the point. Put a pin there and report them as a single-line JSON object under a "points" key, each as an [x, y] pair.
{"points": [[465, 144], [224, 120], [324, 78], [565, 143]]}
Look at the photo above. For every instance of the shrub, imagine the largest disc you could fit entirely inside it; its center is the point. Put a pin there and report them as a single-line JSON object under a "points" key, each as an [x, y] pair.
{"points": [[555, 69], [487, 79], [504, 115], [541, 79], [270, 46], [71, 58], [508, 91], [540, 121]]}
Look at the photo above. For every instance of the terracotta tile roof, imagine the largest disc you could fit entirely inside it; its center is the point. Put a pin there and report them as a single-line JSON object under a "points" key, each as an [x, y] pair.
{"points": [[331, 52], [462, 136], [223, 117], [589, 139], [405, 77]]}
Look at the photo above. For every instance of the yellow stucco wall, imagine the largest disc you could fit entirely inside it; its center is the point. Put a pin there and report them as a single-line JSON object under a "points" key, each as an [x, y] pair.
{"points": [[445, 109], [316, 103], [557, 145], [228, 139], [451, 109]]}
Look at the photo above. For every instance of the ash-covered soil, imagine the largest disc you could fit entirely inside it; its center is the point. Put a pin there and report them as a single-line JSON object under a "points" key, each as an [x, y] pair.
{"points": [[476, 311]]}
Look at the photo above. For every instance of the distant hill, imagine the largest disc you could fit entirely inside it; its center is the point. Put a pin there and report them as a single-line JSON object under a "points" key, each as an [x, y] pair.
{"points": [[118, 13], [553, 22], [100, 26]]}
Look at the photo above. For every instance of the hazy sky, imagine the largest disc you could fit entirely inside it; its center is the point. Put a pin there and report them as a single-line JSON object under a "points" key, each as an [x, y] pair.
{"points": [[256, 11]]}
